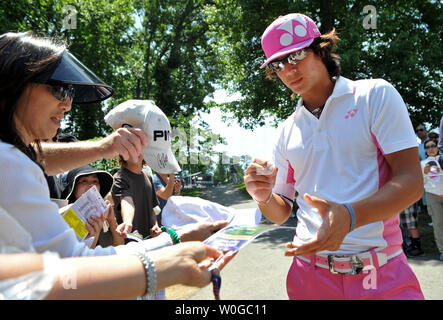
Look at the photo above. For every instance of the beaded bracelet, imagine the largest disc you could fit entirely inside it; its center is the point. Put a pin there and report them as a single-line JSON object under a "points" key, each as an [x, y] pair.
{"points": [[151, 275], [174, 236]]}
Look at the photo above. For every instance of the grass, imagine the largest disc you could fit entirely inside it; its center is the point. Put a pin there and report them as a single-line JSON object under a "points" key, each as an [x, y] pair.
{"points": [[191, 192], [242, 188]]}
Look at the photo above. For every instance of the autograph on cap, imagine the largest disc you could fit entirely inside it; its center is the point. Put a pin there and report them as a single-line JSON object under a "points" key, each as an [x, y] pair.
{"points": [[162, 160]]}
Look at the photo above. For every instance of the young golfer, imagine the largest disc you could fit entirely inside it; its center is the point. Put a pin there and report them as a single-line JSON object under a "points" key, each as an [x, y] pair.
{"points": [[350, 152]]}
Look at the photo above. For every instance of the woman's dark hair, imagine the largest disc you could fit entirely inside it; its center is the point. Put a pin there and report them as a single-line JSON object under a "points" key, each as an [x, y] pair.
{"points": [[323, 47], [25, 59]]}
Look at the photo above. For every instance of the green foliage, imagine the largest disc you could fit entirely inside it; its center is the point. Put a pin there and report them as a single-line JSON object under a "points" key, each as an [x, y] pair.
{"points": [[179, 66], [177, 52], [242, 188], [110, 166], [158, 50], [221, 171]]}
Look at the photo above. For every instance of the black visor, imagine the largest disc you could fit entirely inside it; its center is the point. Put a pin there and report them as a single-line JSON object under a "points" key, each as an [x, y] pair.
{"points": [[88, 87]]}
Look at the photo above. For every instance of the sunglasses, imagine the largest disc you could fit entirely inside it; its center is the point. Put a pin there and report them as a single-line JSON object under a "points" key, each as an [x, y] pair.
{"points": [[62, 92], [293, 58], [421, 129], [432, 146]]}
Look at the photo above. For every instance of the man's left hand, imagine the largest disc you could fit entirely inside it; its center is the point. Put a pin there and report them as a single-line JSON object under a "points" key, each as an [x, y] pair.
{"points": [[333, 230]]}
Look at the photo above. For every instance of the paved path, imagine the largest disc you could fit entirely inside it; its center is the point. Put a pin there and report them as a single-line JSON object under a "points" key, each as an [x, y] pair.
{"points": [[258, 272]]}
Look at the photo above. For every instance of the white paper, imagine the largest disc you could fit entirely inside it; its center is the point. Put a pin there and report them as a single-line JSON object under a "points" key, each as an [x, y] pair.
{"points": [[89, 204], [235, 237], [181, 211], [249, 216]]}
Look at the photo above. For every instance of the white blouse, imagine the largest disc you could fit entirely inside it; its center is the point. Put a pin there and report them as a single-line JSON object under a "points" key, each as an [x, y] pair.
{"points": [[24, 194]]}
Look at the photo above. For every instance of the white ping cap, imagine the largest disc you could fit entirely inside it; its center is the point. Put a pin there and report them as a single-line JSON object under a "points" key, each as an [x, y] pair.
{"points": [[144, 114]]}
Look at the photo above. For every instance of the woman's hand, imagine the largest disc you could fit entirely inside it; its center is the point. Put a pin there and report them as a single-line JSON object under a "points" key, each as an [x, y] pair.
{"points": [[186, 263], [201, 231], [127, 142]]}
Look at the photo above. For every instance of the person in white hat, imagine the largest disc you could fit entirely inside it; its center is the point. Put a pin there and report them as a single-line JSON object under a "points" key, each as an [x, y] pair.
{"points": [[350, 152], [133, 191]]}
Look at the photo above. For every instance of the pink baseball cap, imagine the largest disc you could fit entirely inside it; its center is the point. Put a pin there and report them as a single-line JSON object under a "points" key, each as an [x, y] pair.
{"points": [[287, 34]]}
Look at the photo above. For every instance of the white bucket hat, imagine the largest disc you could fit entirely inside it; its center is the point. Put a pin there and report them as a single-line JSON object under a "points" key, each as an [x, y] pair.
{"points": [[144, 114]]}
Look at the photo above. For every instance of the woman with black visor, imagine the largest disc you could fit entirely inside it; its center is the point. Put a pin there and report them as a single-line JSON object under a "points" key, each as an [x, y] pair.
{"points": [[38, 82]]}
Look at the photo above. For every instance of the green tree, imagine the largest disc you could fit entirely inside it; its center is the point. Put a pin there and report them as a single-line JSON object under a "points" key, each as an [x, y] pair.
{"points": [[100, 38], [151, 49], [179, 65]]}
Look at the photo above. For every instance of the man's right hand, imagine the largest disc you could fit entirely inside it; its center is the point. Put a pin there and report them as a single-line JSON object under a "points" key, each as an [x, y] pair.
{"points": [[260, 178]]}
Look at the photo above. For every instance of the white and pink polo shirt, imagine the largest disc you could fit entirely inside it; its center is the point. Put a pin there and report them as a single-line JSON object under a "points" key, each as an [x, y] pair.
{"points": [[340, 157]]}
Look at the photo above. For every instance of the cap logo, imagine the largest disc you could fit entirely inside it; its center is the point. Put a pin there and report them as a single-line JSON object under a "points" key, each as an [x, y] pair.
{"points": [[161, 134], [299, 30]]}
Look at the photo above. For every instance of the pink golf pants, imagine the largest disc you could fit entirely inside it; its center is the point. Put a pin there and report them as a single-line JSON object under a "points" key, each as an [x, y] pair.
{"points": [[392, 281]]}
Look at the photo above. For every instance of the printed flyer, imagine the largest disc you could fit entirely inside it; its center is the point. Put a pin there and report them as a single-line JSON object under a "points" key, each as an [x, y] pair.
{"points": [[235, 237], [89, 204]]}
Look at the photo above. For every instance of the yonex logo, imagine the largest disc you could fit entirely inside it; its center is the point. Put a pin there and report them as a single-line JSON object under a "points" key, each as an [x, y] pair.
{"points": [[299, 30], [351, 113]]}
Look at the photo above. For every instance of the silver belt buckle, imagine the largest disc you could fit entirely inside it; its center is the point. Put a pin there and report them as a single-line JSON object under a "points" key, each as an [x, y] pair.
{"points": [[357, 264]]}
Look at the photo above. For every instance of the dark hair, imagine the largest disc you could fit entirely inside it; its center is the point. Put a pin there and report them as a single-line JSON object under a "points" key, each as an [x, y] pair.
{"points": [[123, 163], [323, 47], [428, 140], [25, 59]]}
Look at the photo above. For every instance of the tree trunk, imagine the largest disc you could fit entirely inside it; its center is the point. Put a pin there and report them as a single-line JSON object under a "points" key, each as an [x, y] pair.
{"points": [[326, 16]]}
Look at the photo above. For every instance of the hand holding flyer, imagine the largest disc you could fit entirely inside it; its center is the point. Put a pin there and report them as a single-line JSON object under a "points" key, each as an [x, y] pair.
{"points": [[89, 204]]}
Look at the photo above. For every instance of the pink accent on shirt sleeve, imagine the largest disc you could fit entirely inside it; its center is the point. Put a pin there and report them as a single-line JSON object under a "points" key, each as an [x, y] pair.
{"points": [[290, 177], [384, 171], [391, 230]]}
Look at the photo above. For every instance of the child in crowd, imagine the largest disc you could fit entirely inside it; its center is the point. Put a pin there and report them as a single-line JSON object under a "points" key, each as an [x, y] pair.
{"points": [[79, 181]]}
